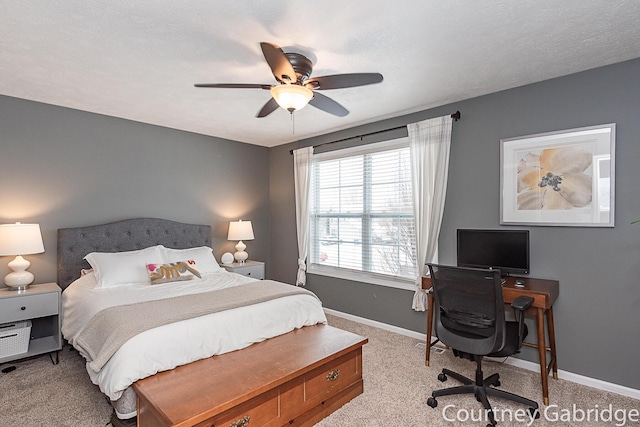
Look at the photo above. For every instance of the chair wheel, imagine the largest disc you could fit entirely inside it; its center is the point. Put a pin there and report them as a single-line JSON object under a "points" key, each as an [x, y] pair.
{"points": [[497, 384], [442, 377], [432, 402], [535, 413]]}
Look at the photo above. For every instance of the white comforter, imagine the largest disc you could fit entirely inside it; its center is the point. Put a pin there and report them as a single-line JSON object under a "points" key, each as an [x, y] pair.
{"points": [[179, 343]]}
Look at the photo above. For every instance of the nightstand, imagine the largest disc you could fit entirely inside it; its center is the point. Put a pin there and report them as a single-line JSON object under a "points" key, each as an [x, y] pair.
{"points": [[40, 304], [249, 268]]}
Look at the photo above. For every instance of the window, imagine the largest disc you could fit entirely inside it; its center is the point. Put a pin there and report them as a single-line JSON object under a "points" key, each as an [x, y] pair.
{"points": [[361, 212]]}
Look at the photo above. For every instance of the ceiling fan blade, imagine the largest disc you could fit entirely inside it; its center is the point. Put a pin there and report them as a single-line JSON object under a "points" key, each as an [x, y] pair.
{"points": [[233, 85], [268, 108], [339, 81], [327, 104], [280, 66]]}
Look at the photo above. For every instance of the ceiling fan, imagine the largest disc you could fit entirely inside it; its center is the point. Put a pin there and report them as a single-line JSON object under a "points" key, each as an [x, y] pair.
{"points": [[296, 89]]}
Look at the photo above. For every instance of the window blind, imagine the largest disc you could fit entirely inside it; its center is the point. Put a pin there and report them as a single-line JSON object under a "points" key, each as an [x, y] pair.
{"points": [[361, 214]]}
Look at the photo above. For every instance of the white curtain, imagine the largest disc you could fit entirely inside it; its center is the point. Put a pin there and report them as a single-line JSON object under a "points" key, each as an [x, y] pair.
{"points": [[429, 143], [302, 183]]}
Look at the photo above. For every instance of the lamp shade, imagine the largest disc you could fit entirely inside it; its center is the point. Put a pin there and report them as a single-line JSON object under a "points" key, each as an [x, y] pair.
{"points": [[291, 97], [20, 239], [240, 230]]}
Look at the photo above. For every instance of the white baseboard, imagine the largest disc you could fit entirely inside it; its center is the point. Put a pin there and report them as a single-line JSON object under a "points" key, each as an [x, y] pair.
{"points": [[525, 364], [376, 324]]}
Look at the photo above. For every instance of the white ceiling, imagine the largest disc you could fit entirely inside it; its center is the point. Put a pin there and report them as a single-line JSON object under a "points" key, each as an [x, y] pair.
{"points": [[138, 60]]}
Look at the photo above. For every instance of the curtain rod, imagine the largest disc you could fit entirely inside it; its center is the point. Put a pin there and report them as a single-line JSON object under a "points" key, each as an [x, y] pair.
{"points": [[455, 116]]}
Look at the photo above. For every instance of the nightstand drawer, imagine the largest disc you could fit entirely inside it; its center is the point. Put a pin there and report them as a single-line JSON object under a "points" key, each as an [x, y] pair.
{"points": [[255, 271], [28, 307], [249, 268]]}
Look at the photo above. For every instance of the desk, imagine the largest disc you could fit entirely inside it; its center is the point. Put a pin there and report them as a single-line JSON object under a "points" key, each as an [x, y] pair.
{"points": [[544, 294]]}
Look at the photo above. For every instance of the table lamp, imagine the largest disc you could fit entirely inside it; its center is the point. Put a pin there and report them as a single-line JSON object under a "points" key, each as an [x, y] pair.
{"points": [[20, 239], [240, 230]]}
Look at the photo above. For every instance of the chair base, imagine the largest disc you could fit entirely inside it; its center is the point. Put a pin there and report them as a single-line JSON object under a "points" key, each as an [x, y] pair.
{"points": [[481, 388]]}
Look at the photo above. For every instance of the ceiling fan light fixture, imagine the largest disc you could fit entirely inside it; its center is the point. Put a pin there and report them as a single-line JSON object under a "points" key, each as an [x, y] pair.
{"points": [[296, 89], [291, 97]]}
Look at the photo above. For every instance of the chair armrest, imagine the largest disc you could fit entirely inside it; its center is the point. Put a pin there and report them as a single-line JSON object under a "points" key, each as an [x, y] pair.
{"points": [[522, 303], [519, 306]]}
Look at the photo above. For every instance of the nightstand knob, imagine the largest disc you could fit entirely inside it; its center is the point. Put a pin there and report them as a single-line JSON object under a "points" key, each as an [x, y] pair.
{"points": [[23, 308]]}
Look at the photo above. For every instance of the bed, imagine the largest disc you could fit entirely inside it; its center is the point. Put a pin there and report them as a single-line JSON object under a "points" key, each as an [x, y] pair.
{"points": [[129, 330]]}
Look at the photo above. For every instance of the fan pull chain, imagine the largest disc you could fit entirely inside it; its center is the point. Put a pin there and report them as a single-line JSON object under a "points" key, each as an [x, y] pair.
{"points": [[293, 124]]}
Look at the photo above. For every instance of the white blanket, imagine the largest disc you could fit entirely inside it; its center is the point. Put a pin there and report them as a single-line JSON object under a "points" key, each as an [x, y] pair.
{"points": [[183, 342]]}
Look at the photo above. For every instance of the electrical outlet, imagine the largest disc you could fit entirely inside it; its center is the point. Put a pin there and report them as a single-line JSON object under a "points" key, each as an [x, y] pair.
{"points": [[435, 348]]}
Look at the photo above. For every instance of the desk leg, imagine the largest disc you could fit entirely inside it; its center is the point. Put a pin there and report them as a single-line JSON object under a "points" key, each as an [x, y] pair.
{"points": [[430, 304], [542, 354], [552, 342]]}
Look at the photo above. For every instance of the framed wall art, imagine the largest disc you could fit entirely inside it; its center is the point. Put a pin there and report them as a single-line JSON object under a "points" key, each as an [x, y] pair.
{"points": [[563, 178]]}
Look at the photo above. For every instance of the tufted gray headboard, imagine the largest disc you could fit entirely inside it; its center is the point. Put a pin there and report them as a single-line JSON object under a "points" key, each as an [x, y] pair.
{"points": [[126, 235]]}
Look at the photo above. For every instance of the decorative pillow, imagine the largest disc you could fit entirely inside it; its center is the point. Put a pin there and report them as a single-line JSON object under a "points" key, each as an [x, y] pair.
{"points": [[172, 272], [202, 255], [120, 268]]}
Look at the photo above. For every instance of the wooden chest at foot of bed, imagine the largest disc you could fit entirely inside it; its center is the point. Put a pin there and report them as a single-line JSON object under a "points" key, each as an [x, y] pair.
{"points": [[294, 379]]}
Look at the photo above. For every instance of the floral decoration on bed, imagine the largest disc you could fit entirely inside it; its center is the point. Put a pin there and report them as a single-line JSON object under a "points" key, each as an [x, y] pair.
{"points": [[172, 272]]}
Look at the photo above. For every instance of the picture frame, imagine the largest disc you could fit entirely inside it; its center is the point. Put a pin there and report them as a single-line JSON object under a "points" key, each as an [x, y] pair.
{"points": [[564, 178]]}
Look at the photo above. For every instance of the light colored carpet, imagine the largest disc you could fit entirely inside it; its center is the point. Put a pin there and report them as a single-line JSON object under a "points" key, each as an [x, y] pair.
{"points": [[396, 381], [39, 393], [397, 385]]}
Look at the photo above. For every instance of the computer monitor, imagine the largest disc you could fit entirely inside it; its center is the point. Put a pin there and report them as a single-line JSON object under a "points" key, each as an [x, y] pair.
{"points": [[507, 250]]}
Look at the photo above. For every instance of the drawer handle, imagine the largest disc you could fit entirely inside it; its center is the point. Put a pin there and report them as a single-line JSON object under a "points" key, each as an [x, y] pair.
{"points": [[242, 422], [8, 336], [23, 308], [8, 325], [333, 375]]}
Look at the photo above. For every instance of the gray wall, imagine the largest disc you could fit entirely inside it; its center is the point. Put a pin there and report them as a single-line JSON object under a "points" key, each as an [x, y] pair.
{"points": [[64, 168], [598, 311]]}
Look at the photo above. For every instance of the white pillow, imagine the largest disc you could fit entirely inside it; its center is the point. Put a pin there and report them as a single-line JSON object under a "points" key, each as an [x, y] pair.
{"points": [[119, 268], [205, 262]]}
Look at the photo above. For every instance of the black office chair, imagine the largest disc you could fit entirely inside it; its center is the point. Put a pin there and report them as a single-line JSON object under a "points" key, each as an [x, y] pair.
{"points": [[470, 319]]}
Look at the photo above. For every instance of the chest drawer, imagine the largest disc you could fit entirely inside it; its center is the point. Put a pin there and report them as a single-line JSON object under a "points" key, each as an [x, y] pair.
{"points": [[323, 382], [28, 307], [263, 410]]}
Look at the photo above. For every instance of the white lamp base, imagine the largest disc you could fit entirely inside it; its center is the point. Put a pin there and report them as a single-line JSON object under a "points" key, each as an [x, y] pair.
{"points": [[241, 255], [19, 278]]}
